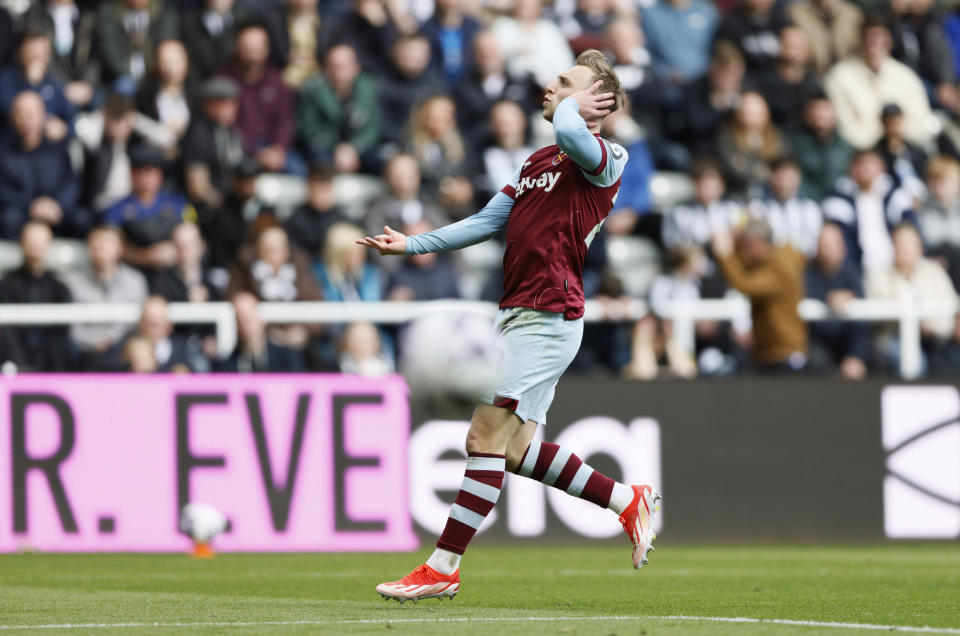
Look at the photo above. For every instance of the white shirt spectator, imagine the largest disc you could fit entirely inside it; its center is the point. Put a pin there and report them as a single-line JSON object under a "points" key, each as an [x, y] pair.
{"points": [[540, 49], [859, 95]]}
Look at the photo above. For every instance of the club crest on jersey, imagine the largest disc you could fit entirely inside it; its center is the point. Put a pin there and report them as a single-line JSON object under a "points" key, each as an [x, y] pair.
{"points": [[546, 181], [559, 158]]}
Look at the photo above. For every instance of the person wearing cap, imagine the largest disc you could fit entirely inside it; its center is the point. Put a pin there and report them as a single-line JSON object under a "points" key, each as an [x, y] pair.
{"points": [[309, 223], [211, 149], [905, 161], [36, 178], [149, 214], [225, 228]]}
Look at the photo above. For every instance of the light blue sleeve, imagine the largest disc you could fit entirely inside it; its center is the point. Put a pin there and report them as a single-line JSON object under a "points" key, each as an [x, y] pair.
{"points": [[601, 161], [470, 231]]}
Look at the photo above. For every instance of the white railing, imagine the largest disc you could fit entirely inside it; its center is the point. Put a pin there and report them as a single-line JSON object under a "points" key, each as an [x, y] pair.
{"points": [[685, 315]]}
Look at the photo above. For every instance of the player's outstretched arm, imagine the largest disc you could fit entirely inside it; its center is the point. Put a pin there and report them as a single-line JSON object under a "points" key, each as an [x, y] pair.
{"points": [[470, 231], [390, 242]]}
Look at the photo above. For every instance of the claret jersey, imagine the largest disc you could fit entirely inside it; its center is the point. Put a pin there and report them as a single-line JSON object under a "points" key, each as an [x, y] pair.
{"points": [[558, 209]]}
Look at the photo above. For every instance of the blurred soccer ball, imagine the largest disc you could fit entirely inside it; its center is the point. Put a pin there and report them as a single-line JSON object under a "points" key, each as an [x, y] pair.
{"points": [[202, 522], [451, 355]]}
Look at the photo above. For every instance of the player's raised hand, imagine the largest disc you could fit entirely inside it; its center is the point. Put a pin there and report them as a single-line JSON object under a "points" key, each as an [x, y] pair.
{"points": [[593, 105], [390, 242]]}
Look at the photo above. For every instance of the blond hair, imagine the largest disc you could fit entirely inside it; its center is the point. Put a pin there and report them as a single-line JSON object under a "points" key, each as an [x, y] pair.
{"points": [[603, 71], [341, 239], [942, 166]]}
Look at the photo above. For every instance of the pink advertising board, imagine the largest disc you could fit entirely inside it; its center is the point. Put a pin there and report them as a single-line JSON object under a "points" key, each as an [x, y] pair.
{"points": [[295, 462]]}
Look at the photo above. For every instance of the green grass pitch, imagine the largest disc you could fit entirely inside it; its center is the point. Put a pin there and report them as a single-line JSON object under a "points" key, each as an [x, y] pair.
{"points": [[579, 590]]}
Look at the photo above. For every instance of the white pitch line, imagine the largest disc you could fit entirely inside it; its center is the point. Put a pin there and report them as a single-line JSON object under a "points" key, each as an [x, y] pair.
{"points": [[506, 619]]}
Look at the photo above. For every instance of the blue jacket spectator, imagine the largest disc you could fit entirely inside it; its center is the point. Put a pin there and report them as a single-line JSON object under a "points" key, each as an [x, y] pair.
{"points": [[451, 33], [344, 273], [833, 279], [679, 35], [32, 73], [36, 178]]}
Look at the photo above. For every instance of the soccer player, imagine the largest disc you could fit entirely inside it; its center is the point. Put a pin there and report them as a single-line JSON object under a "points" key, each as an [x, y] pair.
{"points": [[552, 208]]}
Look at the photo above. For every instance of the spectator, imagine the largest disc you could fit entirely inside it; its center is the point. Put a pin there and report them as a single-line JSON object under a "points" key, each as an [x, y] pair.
{"points": [[167, 95], [71, 29], [832, 26], [361, 351], [790, 81], [867, 206], [693, 223], [189, 279], [679, 36], [861, 85], [369, 30], [138, 356], [36, 179], [409, 81], [209, 32], [772, 278], [41, 348], [451, 32], [420, 278], [107, 281], [832, 279], [274, 271], [939, 215], [904, 161], [338, 115], [254, 352], [404, 203], [172, 351], [747, 144], [343, 272], [212, 150], [265, 109], [710, 100], [632, 62], [106, 140], [794, 219], [911, 276], [652, 336], [225, 228], [486, 84], [586, 28], [753, 26], [524, 38], [822, 153], [508, 148], [149, 214], [441, 153], [127, 33], [7, 36], [307, 227], [32, 74], [919, 42], [302, 42]]}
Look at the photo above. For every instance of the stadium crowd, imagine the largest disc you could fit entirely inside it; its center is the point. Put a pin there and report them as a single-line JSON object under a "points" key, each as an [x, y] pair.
{"points": [[821, 138]]}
